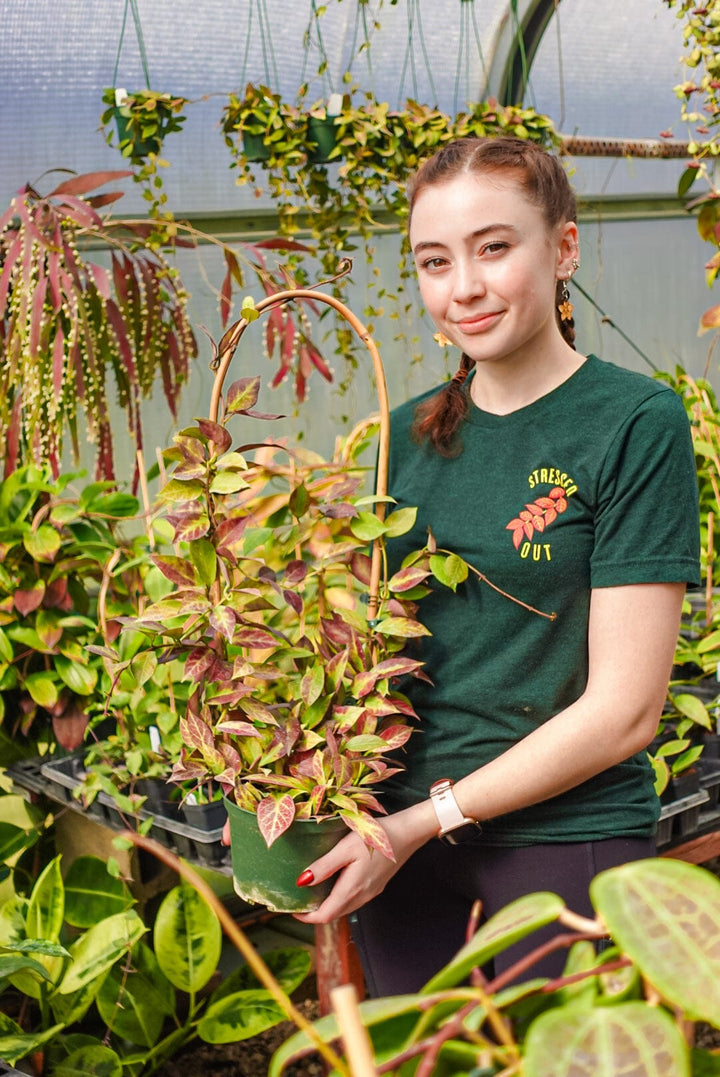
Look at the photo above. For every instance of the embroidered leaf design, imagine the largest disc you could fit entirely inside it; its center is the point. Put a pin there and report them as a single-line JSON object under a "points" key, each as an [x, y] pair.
{"points": [[537, 515]]}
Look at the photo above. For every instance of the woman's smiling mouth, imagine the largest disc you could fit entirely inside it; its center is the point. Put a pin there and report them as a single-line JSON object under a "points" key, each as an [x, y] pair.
{"points": [[478, 323]]}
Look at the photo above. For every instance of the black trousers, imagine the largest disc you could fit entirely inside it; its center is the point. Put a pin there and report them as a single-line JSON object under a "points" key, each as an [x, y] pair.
{"points": [[406, 934]]}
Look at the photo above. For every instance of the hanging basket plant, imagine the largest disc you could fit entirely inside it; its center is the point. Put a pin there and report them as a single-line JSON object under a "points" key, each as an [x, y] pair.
{"points": [[142, 120], [345, 192], [259, 126]]}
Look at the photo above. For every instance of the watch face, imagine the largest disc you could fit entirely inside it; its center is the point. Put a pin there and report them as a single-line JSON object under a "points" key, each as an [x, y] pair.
{"points": [[467, 834]]}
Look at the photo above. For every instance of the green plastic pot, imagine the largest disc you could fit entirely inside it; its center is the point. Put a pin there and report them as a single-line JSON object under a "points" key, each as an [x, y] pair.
{"points": [[322, 137], [267, 876], [254, 148], [140, 147]]}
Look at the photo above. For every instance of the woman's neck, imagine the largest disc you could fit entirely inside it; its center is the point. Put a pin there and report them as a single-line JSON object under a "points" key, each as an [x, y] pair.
{"points": [[503, 386]]}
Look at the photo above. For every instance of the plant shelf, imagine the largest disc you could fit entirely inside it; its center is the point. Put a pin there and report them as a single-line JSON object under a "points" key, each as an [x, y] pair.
{"points": [[58, 778]]}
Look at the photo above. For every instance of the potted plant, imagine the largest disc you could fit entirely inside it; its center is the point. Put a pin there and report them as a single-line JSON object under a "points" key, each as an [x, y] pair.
{"points": [[143, 119], [294, 698], [292, 708], [260, 126]]}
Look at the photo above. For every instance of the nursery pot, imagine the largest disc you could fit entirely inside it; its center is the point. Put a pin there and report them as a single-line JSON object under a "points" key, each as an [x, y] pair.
{"points": [[322, 137], [267, 876], [254, 148], [159, 798], [140, 147]]}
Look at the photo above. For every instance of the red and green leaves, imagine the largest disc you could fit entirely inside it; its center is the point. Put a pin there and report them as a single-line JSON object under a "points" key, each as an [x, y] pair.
{"points": [[537, 516], [69, 327]]}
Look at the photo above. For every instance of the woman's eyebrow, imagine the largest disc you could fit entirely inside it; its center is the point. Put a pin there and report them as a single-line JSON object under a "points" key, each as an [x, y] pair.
{"points": [[477, 233]]}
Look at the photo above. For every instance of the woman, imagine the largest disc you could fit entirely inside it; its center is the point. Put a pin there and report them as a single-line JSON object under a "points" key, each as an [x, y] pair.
{"points": [[570, 484]]}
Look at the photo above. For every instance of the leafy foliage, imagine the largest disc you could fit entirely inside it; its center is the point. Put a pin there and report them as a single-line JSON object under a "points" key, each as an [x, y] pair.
{"points": [[73, 956], [67, 323], [293, 702], [343, 198], [628, 1010], [55, 548]]}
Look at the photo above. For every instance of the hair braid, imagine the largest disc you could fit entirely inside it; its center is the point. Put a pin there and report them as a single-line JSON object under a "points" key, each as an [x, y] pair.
{"points": [[440, 417]]}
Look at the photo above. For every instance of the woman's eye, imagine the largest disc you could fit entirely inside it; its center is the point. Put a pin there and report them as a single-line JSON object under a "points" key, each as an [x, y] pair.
{"points": [[433, 263], [494, 248]]}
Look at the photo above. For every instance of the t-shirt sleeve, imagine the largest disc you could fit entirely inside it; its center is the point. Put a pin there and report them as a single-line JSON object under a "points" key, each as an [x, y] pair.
{"points": [[646, 524]]}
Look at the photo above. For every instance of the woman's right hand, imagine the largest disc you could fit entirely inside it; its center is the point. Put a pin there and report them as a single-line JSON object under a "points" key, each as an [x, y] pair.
{"points": [[363, 873]]}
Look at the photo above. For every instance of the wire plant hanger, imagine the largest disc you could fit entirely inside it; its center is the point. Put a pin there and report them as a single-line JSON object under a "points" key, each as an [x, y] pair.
{"points": [[132, 8], [466, 57]]}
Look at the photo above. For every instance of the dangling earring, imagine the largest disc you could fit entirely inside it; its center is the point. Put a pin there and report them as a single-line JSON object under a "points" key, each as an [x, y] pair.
{"points": [[565, 307]]}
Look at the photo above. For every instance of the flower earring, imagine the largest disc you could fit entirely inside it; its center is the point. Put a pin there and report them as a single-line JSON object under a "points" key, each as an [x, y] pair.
{"points": [[565, 307]]}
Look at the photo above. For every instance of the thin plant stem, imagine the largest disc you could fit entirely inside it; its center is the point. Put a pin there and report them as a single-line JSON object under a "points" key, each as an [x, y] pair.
{"points": [[483, 579]]}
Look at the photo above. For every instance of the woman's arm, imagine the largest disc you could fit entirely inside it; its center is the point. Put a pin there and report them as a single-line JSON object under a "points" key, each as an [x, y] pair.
{"points": [[631, 641]]}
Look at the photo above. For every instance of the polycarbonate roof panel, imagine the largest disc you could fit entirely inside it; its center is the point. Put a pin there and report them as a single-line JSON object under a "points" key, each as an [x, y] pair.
{"points": [[56, 65], [611, 73], [609, 70]]}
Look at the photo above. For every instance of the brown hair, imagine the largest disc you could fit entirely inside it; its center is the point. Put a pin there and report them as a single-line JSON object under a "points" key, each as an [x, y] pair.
{"points": [[545, 183]]}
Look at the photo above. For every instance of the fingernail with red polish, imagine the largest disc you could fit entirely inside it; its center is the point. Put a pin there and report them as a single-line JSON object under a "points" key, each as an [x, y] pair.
{"points": [[305, 878]]}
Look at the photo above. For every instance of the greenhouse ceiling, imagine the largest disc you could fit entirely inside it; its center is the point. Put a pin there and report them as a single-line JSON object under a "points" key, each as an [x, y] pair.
{"points": [[596, 70]]}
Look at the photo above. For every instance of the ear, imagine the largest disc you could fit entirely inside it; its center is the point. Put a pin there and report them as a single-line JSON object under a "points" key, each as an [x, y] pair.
{"points": [[568, 249]]}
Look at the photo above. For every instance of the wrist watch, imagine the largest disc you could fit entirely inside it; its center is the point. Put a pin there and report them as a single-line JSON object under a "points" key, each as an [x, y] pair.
{"points": [[455, 828]]}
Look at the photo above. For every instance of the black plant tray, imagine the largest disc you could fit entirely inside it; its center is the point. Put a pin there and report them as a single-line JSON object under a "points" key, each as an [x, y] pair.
{"points": [[680, 818], [6, 1070], [58, 778], [710, 780]]}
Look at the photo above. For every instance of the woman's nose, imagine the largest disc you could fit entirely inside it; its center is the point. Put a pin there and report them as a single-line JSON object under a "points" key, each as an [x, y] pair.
{"points": [[468, 281]]}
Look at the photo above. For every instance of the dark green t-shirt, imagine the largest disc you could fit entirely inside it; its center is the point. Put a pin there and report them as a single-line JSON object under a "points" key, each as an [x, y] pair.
{"points": [[592, 485]]}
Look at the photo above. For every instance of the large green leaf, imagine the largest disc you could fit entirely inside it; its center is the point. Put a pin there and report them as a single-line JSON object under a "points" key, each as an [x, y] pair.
{"points": [[187, 939], [46, 910], [41, 686], [12, 840], [239, 1017], [665, 915], [95, 1060], [92, 894], [289, 966], [512, 923], [43, 543], [327, 1027], [99, 948], [79, 678], [204, 558], [13, 1047], [14, 963], [631, 1038], [135, 1006]]}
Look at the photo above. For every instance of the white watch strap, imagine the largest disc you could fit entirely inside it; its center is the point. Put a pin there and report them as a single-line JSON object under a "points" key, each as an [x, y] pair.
{"points": [[447, 809]]}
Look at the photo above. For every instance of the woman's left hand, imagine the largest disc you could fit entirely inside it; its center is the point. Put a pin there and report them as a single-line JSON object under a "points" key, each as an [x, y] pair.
{"points": [[364, 873]]}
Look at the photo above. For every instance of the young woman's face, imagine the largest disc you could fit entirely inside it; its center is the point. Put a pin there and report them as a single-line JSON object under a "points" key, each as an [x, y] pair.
{"points": [[488, 265]]}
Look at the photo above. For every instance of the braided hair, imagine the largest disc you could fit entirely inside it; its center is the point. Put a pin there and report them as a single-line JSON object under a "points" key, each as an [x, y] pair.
{"points": [[545, 183]]}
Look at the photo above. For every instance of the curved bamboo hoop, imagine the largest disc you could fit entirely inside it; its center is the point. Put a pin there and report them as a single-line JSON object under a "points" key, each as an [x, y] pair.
{"points": [[228, 347]]}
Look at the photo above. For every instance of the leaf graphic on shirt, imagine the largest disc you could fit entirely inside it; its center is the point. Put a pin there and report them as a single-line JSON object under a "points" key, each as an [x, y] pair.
{"points": [[537, 515]]}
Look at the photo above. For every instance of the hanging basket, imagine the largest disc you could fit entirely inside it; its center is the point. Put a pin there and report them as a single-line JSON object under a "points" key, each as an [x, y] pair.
{"points": [[254, 148], [322, 138], [141, 147], [268, 876]]}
